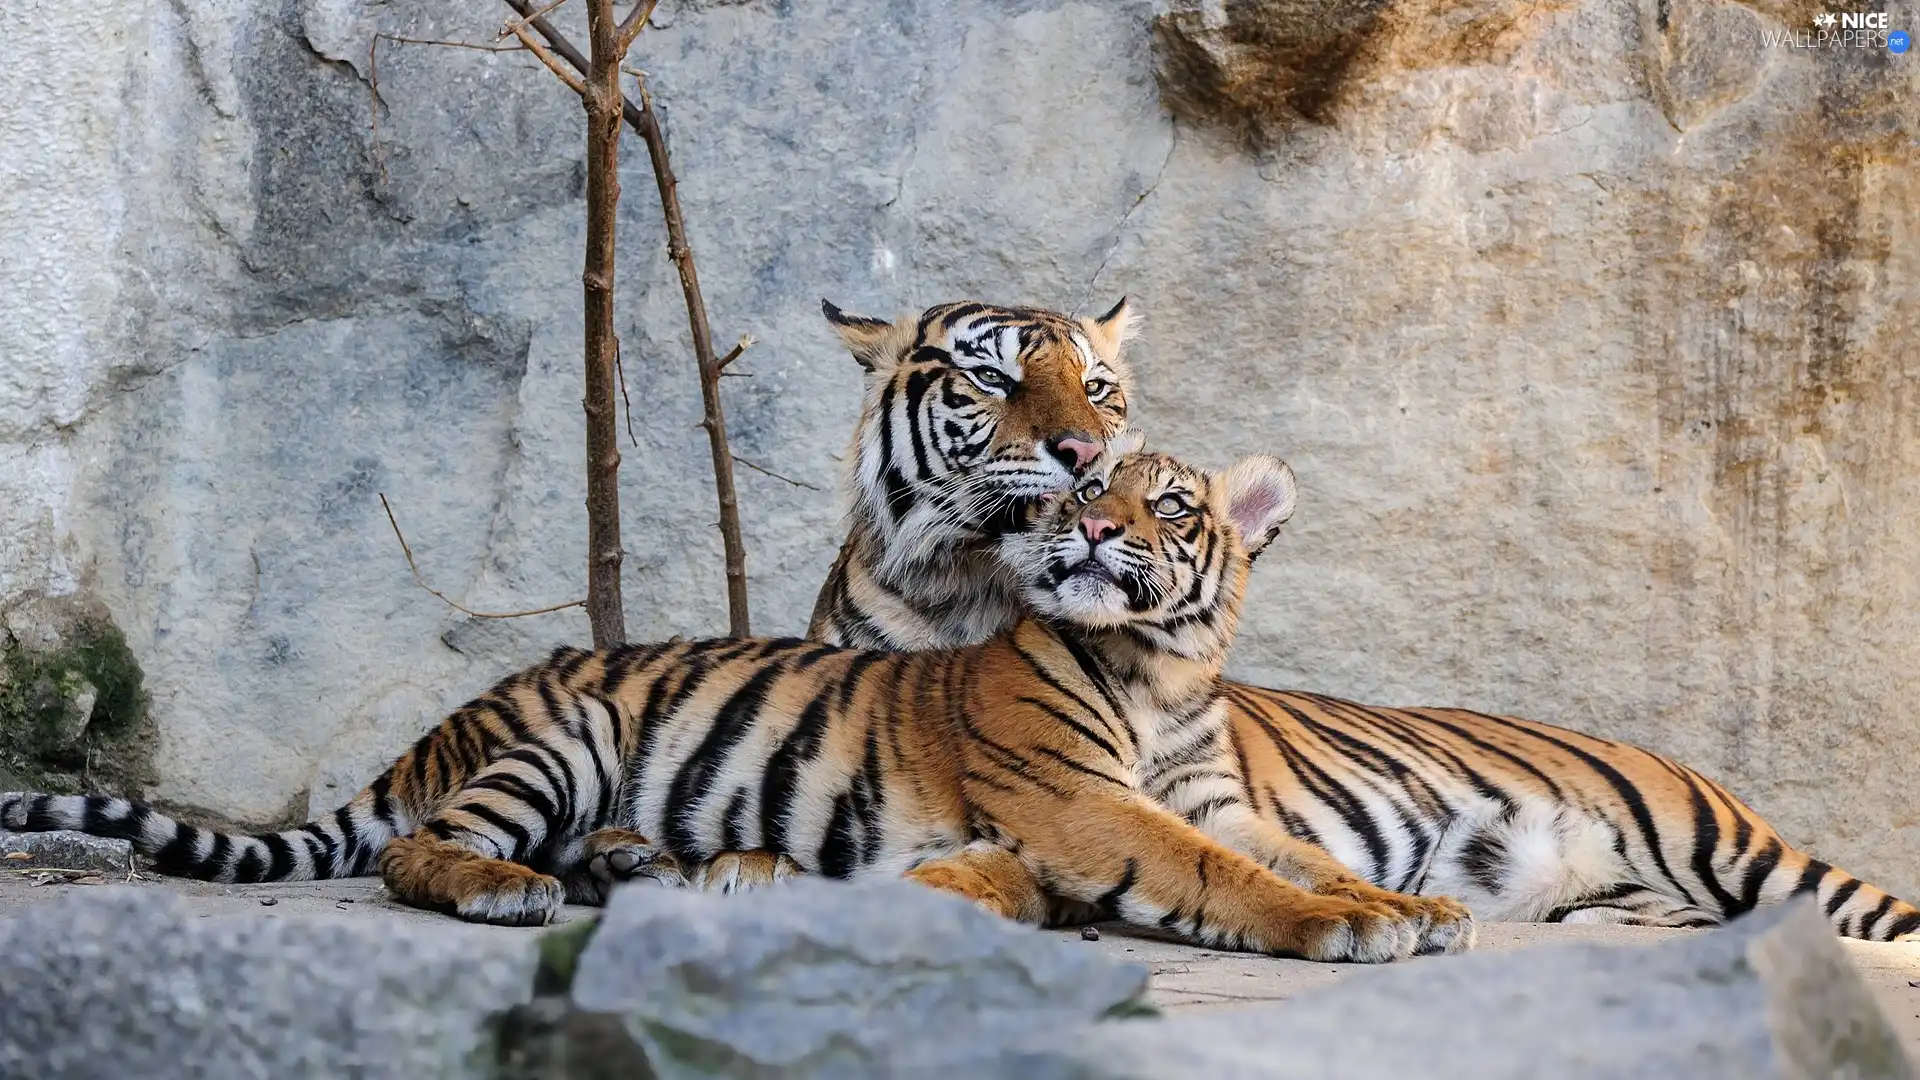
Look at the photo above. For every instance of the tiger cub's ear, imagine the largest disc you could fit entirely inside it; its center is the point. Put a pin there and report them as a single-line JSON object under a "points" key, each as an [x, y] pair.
{"points": [[875, 343], [1260, 498], [1107, 333]]}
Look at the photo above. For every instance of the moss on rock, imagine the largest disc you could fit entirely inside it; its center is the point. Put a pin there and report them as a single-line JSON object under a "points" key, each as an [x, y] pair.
{"points": [[73, 716]]}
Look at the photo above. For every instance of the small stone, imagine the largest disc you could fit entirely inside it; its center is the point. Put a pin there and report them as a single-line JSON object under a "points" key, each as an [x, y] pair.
{"points": [[268, 901], [1089, 933], [68, 850]]}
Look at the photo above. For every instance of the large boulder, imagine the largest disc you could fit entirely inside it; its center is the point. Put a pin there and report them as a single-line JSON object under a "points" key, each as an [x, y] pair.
{"points": [[1770, 997], [116, 982], [821, 979]]}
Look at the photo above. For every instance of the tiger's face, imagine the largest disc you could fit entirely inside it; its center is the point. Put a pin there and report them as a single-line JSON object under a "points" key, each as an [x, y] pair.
{"points": [[1151, 543], [972, 411]]}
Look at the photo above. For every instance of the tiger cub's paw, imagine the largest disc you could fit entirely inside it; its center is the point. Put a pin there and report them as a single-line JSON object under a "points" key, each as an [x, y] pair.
{"points": [[741, 871], [620, 855], [1442, 924], [1346, 931]]}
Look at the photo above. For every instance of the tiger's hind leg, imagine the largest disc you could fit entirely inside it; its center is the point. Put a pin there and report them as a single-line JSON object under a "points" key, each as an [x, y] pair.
{"points": [[1633, 905], [591, 866], [992, 877], [470, 857], [439, 875]]}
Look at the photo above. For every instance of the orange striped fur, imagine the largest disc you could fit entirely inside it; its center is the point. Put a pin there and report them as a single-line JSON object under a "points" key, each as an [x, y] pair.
{"points": [[1523, 820], [1083, 754]]}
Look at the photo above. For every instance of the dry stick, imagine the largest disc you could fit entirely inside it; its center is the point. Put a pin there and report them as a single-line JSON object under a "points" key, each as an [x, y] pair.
{"points": [[422, 582], [715, 420], [764, 471], [644, 119], [602, 99], [620, 369]]}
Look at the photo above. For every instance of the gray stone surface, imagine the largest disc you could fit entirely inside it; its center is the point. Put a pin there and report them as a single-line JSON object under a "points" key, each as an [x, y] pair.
{"points": [[825, 979], [64, 851], [1630, 1000], [118, 982], [1586, 324], [1767, 997]]}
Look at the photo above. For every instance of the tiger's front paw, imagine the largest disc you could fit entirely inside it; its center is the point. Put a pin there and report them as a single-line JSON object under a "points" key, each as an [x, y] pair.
{"points": [[1343, 931], [740, 871], [615, 856], [1441, 923]]}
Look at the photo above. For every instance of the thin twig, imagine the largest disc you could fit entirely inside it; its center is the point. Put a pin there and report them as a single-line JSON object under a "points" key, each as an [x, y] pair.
{"points": [[422, 582], [746, 342], [474, 45], [764, 471], [373, 80], [519, 30], [637, 18], [507, 30], [620, 368]]}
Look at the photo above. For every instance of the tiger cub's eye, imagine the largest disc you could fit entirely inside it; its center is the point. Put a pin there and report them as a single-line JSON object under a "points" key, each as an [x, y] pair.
{"points": [[1171, 506], [1098, 389], [1091, 490]]}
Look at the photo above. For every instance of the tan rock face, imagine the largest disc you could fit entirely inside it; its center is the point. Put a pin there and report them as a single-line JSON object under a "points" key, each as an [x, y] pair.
{"points": [[1587, 324]]}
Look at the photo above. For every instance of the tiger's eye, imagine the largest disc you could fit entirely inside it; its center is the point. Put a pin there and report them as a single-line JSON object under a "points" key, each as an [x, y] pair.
{"points": [[1170, 506], [989, 378], [1091, 491], [1098, 389]]}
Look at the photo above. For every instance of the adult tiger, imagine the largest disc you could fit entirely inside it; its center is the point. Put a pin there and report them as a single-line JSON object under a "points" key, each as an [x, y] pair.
{"points": [[1060, 758], [1523, 820]]}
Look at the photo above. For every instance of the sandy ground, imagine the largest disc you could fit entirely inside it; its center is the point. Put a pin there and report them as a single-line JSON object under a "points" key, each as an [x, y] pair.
{"points": [[1184, 977]]}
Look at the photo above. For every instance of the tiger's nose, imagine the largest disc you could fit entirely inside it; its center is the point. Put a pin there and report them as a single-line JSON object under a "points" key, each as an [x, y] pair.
{"points": [[1098, 528], [1074, 451]]}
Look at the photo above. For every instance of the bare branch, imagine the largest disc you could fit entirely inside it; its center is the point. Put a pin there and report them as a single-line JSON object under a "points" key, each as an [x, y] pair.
{"points": [[474, 45], [746, 342], [637, 18], [644, 120], [508, 29], [553, 63], [620, 369], [444, 598], [764, 471], [647, 123]]}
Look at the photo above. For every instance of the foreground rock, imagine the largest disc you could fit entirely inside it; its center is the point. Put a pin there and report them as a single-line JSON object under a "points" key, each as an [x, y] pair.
{"points": [[1771, 996], [816, 979], [821, 979]]}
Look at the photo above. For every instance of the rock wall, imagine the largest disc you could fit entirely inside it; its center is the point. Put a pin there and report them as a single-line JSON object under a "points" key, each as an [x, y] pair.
{"points": [[1585, 323]]}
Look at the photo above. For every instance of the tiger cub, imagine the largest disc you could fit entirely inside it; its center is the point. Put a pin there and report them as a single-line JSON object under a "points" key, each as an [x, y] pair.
{"points": [[1080, 755]]}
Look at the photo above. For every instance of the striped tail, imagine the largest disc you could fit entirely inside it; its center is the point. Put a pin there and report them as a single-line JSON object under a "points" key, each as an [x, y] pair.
{"points": [[1856, 909], [345, 843]]}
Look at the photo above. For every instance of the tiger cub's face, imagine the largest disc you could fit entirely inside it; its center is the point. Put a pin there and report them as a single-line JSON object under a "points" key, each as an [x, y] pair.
{"points": [[1150, 542], [972, 411]]}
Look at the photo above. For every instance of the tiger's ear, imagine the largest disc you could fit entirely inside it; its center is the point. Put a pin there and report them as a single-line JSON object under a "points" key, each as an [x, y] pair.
{"points": [[1260, 498], [1109, 332], [873, 342]]}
